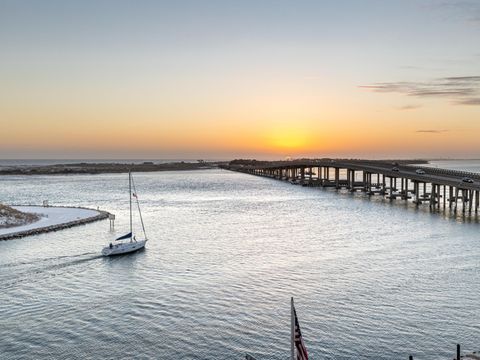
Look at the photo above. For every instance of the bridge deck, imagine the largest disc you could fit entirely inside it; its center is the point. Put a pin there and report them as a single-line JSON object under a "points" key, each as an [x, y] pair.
{"points": [[389, 179]]}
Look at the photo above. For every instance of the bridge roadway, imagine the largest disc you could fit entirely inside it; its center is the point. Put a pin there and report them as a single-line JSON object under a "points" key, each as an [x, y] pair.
{"points": [[439, 185]]}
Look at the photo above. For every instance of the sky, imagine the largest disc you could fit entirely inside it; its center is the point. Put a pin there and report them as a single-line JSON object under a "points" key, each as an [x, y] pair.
{"points": [[230, 79]]}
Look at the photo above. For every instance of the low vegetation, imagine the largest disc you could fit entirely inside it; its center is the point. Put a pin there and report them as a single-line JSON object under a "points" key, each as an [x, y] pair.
{"points": [[9, 217], [103, 168]]}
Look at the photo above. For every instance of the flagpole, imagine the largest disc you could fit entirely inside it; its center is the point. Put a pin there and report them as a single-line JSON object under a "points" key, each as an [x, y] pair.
{"points": [[292, 330]]}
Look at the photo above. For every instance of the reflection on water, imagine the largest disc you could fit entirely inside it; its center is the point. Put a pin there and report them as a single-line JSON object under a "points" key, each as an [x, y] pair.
{"points": [[372, 279]]}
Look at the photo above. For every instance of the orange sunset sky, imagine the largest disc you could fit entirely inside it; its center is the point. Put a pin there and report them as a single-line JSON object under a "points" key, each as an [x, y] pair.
{"points": [[221, 80]]}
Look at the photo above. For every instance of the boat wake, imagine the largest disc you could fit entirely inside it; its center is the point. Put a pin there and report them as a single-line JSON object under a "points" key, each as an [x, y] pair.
{"points": [[37, 261], [13, 274]]}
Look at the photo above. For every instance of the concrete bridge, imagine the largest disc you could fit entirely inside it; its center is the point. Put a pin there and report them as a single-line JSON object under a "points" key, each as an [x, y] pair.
{"points": [[438, 188]]}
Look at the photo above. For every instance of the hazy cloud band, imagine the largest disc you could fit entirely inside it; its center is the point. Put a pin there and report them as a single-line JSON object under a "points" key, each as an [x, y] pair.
{"points": [[462, 90]]}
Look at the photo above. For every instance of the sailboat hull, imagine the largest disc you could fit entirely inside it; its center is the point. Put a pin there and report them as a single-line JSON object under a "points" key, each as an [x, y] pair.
{"points": [[132, 245], [123, 248]]}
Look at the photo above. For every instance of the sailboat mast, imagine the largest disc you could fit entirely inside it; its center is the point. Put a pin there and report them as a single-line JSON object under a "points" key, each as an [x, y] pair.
{"points": [[138, 205], [130, 197]]}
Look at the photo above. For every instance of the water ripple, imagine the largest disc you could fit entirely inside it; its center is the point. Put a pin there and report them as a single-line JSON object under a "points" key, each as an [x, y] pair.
{"points": [[371, 280]]}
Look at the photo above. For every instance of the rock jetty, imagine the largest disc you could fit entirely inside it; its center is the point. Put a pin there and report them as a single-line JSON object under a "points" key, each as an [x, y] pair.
{"points": [[100, 215]]}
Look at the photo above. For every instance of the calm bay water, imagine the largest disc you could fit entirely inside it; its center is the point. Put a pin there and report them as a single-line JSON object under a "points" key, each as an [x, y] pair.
{"points": [[371, 279]]}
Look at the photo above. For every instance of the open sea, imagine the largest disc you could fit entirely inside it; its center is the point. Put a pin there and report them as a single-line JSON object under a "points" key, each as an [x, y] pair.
{"points": [[371, 278]]}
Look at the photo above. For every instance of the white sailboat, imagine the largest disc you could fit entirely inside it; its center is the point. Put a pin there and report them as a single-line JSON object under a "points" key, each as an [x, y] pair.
{"points": [[128, 242]]}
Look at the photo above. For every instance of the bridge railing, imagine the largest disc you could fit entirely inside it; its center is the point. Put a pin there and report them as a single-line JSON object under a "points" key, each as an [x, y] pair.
{"points": [[448, 172], [346, 162]]}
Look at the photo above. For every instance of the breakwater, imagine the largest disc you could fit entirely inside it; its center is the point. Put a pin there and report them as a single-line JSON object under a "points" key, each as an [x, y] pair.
{"points": [[101, 215]]}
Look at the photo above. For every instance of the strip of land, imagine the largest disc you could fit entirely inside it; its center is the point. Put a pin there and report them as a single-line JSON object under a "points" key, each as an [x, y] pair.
{"points": [[99, 168], [50, 219], [147, 166]]}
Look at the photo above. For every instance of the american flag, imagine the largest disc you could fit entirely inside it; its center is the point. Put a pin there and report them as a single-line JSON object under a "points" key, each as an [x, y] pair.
{"points": [[298, 340]]}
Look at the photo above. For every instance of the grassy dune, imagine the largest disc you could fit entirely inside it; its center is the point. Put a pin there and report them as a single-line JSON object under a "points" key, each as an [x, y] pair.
{"points": [[10, 217]]}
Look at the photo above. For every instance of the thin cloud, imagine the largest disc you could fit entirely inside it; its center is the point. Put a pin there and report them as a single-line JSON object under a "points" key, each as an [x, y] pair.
{"points": [[464, 9], [463, 78], [409, 107], [431, 131], [462, 90], [441, 93], [473, 101]]}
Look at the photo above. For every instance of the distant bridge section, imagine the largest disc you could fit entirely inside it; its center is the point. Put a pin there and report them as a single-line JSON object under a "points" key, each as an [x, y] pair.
{"points": [[438, 188]]}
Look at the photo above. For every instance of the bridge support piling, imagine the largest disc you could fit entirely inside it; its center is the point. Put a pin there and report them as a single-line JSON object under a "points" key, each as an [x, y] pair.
{"points": [[471, 201], [444, 197], [450, 197], [415, 191], [391, 189], [439, 196], [337, 178], [476, 201], [405, 188], [435, 182], [349, 180], [432, 196], [368, 183], [352, 180], [457, 191], [371, 176]]}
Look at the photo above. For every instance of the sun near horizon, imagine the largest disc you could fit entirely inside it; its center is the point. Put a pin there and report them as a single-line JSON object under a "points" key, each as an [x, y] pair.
{"points": [[226, 80]]}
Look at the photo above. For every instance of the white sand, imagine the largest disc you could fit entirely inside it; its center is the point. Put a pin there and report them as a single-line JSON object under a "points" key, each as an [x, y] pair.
{"points": [[49, 216]]}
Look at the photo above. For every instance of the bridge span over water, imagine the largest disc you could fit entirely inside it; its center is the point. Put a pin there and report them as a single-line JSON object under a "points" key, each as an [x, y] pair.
{"points": [[439, 188]]}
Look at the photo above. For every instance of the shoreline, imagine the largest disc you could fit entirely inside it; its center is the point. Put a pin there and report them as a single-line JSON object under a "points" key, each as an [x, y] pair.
{"points": [[105, 168], [146, 166], [102, 215]]}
